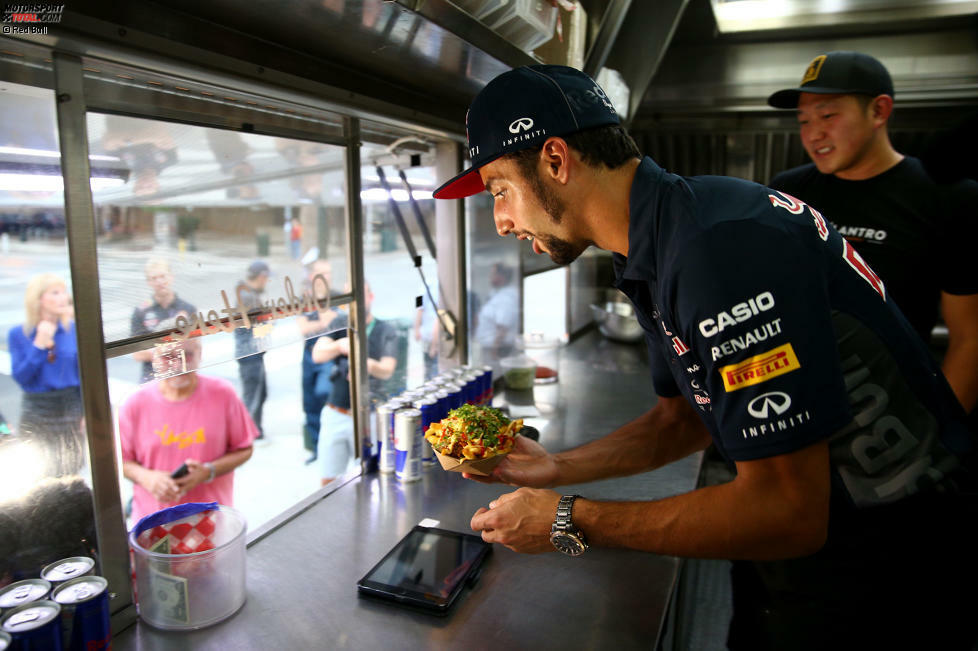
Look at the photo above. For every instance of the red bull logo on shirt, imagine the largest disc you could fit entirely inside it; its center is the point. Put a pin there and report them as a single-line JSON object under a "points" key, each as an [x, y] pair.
{"points": [[759, 368]]}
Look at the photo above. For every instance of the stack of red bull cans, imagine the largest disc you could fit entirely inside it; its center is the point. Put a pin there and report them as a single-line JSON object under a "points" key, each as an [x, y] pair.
{"points": [[403, 420], [66, 608]]}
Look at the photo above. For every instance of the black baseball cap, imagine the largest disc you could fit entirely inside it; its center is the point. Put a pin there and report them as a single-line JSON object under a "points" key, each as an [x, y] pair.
{"points": [[522, 108], [257, 268], [838, 73]]}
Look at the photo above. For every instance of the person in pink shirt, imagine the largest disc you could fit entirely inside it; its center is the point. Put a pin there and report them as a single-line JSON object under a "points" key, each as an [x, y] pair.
{"points": [[189, 419]]}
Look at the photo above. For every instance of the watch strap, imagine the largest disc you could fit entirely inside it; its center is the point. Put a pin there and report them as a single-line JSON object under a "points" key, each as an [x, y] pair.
{"points": [[565, 507]]}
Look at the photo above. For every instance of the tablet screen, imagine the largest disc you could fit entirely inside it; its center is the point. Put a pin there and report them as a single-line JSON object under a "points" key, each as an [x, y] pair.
{"points": [[427, 568]]}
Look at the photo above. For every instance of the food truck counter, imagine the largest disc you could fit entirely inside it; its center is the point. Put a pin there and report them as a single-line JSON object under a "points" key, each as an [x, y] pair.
{"points": [[302, 575]]}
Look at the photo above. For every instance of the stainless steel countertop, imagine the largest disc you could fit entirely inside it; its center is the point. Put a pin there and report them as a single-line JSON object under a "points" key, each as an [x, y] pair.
{"points": [[302, 576]]}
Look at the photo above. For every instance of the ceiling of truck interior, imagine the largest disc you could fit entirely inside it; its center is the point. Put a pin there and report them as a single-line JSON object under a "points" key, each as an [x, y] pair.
{"points": [[423, 60]]}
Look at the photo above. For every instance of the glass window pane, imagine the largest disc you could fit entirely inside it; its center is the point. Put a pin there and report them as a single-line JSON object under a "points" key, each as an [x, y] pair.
{"points": [[389, 270], [495, 305], [214, 235], [46, 507]]}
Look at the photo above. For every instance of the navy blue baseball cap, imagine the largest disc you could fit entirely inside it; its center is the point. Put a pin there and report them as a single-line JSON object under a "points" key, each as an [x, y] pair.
{"points": [[838, 73], [522, 108]]}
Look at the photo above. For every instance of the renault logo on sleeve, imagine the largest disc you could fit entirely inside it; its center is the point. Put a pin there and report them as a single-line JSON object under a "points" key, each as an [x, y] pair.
{"points": [[762, 405], [520, 124]]}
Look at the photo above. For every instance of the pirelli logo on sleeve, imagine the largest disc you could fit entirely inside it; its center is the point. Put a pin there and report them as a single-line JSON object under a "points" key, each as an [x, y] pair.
{"points": [[759, 368]]}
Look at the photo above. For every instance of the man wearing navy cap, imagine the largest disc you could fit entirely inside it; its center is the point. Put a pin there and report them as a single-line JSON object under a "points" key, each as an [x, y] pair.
{"points": [[918, 235], [769, 336]]}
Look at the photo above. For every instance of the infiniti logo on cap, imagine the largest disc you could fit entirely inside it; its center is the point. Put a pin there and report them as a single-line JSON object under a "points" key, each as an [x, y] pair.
{"points": [[520, 124], [775, 401]]}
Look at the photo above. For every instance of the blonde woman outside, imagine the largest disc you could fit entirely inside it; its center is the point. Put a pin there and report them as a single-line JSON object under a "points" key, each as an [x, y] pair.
{"points": [[44, 362]]}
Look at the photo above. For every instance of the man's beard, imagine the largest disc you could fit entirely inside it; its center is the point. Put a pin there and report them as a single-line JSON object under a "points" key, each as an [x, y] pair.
{"points": [[561, 251]]}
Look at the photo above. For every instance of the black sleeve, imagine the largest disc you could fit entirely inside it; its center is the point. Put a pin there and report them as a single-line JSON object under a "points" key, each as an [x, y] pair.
{"points": [[958, 273], [136, 323], [388, 342]]}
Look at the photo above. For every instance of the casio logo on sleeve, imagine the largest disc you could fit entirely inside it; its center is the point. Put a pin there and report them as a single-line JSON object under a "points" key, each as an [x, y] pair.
{"points": [[737, 314]]}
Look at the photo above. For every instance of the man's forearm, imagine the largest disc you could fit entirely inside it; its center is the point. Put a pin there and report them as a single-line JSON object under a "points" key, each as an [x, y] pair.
{"points": [[669, 431], [231, 460], [710, 522], [775, 508], [133, 471]]}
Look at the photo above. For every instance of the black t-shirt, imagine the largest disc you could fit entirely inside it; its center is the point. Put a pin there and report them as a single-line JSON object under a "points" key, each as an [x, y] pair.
{"points": [[381, 342], [154, 318], [761, 315], [916, 234]]}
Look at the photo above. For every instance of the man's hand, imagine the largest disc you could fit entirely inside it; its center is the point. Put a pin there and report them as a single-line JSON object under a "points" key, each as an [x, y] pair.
{"points": [[197, 474], [520, 520], [527, 464], [160, 485]]}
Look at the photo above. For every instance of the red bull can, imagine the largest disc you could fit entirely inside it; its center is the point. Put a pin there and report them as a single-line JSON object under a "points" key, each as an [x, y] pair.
{"points": [[68, 568], [385, 433], [456, 394], [35, 625], [84, 613], [23, 592], [487, 388], [480, 385], [407, 445], [441, 395], [428, 406], [411, 396], [471, 388]]}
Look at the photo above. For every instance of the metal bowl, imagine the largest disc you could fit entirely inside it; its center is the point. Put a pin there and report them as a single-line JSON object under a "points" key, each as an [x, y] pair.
{"points": [[617, 321]]}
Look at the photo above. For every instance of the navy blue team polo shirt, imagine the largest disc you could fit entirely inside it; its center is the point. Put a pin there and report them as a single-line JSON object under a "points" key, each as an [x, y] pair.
{"points": [[761, 315]]}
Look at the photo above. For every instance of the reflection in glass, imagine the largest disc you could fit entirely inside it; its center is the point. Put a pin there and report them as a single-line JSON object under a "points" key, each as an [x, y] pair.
{"points": [[218, 236], [46, 508], [494, 285]]}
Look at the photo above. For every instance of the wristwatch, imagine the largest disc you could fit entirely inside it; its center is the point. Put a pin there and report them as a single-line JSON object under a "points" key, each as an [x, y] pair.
{"points": [[210, 466], [563, 534]]}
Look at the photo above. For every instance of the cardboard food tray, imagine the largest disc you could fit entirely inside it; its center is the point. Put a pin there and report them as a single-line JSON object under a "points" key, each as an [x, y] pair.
{"points": [[471, 466]]}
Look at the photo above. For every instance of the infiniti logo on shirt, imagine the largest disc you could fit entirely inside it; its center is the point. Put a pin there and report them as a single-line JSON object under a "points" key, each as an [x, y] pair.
{"points": [[762, 405], [520, 124]]}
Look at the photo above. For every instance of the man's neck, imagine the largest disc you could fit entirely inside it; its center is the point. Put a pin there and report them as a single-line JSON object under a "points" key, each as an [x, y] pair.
{"points": [[880, 157], [165, 299], [605, 206], [178, 393]]}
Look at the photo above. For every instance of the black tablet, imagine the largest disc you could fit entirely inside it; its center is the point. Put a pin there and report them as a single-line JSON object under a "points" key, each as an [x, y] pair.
{"points": [[427, 569]]}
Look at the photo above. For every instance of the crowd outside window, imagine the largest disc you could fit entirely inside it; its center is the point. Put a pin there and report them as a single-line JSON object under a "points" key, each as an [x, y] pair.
{"points": [[316, 377], [336, 438]]}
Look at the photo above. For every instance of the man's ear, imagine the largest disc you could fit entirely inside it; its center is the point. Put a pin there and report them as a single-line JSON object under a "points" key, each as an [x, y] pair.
{"points": [[555, 159], [881, 108]]}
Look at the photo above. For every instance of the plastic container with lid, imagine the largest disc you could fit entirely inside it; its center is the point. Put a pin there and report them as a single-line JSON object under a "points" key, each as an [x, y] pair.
{"points": [[202, 581], [525, 23], [519, 372], [545, 352]]}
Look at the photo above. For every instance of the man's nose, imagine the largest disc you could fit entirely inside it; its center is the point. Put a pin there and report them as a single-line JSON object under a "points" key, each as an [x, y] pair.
{"points": [[503, 225]]}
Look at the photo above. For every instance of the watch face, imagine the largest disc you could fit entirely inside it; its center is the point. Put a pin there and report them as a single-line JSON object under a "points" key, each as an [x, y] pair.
{"points": [[567, 543]]}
